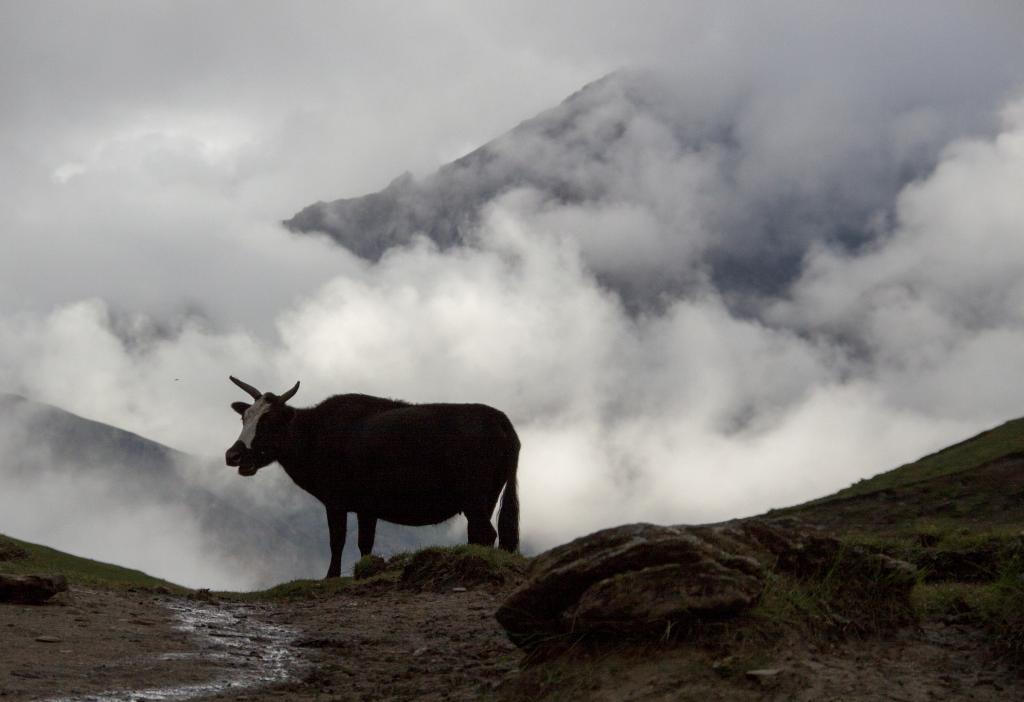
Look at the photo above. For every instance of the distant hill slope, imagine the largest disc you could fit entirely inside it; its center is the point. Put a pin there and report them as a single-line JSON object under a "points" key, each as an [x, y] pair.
{"points": [[68, 435], [977, 483], [21, 557], [84, 477]]}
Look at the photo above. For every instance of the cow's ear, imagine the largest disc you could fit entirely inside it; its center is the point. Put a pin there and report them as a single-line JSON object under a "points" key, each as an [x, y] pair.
{"points": [[240, 407]]}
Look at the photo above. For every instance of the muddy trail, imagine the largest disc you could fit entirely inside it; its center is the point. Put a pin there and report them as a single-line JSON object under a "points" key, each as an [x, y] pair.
{"points": [[377, 644], [115, 645], [390, 644]]}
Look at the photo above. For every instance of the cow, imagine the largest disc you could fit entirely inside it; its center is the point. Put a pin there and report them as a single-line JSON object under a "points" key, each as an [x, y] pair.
{"points": [[412, 464]]}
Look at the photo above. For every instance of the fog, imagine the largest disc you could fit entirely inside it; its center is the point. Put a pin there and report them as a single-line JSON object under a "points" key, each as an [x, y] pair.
{"points": [[792, 264]]}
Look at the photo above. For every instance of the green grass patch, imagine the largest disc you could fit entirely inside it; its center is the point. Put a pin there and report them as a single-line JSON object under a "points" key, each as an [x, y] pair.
{"points": [[1003, 610], [946, 552], [997, 606], [960, 601], [371, 566], [852, 596], [42, 560], [466, 565]]}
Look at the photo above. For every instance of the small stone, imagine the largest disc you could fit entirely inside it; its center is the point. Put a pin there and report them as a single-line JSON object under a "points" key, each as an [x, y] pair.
{"points": [[764, 675], [458, 589], [419, 651], [48, 639]]}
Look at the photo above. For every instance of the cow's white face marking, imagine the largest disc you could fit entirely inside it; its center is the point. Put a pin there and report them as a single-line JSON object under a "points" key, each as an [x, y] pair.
{"points": [[251, 418]]}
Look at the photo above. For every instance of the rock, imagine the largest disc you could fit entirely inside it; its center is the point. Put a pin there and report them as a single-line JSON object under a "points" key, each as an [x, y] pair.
{"points": [[48, 639], [637, 577], [30, 589], [648, 598], [859, 589], [458, 589], [643, 579], [765, 676]]}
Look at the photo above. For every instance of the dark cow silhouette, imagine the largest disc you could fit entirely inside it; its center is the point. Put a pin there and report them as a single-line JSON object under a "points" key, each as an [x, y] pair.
{"points": [[387, 459]]}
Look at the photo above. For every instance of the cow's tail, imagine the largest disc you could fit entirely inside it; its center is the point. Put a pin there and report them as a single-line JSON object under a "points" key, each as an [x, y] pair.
{"points": [[508, 516]]}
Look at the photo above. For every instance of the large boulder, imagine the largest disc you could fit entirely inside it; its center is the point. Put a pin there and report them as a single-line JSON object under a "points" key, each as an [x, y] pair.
{"points": [[644, 579], [30, 589], [636, 577]]}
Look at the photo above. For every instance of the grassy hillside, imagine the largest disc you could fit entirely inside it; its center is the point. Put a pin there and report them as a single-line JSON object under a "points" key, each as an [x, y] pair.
{"points": [[958, 515], [21, 557], [974, 486], [1005, 440]]}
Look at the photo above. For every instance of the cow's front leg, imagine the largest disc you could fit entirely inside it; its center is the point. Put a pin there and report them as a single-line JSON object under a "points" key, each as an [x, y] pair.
{"points": [[367, 532], [337, 525]]}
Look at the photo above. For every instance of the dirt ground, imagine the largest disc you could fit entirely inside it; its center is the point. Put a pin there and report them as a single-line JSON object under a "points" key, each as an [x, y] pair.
{"points": [[388, 644], [101, 644]]}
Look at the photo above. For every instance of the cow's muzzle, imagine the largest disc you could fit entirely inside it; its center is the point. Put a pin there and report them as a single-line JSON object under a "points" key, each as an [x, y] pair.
{"points": [[233, 456], [242, 457]]}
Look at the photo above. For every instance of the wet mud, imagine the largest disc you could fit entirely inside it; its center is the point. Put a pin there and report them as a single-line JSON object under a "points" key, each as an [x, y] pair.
{"points": [[123, 646]]}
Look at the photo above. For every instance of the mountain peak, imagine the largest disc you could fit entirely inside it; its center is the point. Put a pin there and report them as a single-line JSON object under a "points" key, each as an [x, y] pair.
{"points": [[664, 186]]}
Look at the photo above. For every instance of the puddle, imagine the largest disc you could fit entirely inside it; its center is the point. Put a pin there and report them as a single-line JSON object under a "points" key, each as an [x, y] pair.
{"points": [[241, 652]]}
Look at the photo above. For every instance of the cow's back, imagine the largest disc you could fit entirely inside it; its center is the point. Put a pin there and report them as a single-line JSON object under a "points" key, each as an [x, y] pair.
{"points": [[420, 463]]}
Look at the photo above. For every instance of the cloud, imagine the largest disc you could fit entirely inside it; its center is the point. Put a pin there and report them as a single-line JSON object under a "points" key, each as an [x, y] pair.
{"points": [[690, 415], [936, 305], [668, 186]]}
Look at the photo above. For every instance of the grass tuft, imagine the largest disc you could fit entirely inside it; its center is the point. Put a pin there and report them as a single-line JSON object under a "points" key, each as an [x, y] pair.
{"points": [[466, 565], [946, 552], [1003, 610], [368, 566]]}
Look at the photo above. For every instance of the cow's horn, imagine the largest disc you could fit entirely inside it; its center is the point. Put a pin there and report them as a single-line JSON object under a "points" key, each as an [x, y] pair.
{"points": [[288, 395], [256, 394]]}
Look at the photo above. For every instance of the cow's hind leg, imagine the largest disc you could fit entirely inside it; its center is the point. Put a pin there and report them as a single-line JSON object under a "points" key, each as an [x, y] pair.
{"points": [[480, 529], [367, 532]]}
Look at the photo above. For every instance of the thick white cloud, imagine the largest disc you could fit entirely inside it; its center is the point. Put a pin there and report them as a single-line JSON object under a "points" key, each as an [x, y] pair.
{"points": [[937, 306], [690, 415]]}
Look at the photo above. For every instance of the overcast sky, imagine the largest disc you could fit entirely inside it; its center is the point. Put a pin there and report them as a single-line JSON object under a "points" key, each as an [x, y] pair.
{"points": [[148, 151]]}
